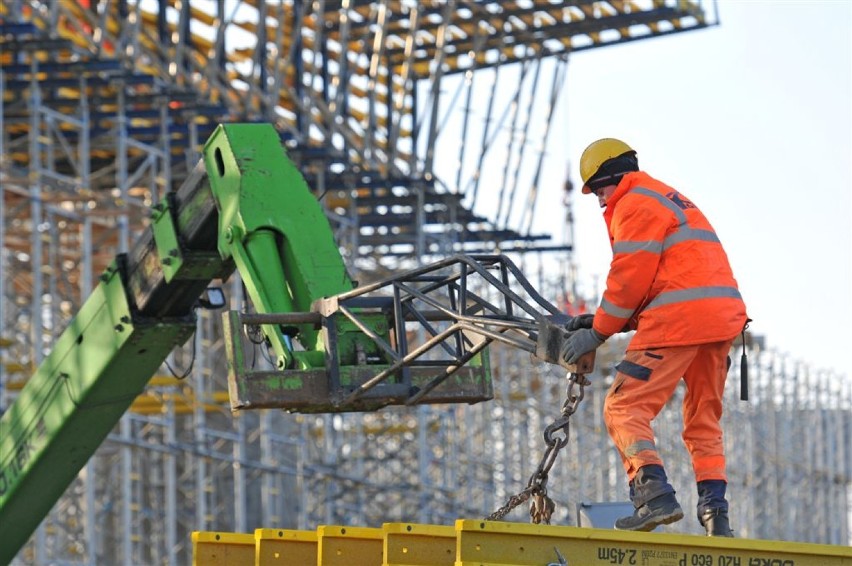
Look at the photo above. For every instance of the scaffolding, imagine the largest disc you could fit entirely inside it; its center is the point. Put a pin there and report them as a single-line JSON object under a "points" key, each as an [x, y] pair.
{"points": [[403, 116]]}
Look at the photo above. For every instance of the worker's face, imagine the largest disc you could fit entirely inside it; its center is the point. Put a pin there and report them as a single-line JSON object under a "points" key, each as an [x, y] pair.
{"points": [[604, 193]]}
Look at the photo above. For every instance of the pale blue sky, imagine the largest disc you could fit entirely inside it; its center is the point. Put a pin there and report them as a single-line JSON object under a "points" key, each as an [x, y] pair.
{"points": [[753, 121]]}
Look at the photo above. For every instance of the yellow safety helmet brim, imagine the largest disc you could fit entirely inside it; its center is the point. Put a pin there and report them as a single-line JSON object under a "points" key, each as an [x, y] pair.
{"points": [[598, 153]]}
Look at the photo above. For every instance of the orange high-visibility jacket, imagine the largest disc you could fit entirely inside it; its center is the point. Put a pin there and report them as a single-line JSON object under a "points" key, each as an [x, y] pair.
{"points": [[670, 279]]}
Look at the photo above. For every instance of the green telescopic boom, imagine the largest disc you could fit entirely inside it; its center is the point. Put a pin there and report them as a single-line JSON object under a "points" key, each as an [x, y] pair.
{"points": [[247, 206]]}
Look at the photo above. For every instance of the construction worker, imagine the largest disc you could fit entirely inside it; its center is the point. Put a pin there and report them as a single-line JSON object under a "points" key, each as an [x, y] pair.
{"points": [[671, 282]]}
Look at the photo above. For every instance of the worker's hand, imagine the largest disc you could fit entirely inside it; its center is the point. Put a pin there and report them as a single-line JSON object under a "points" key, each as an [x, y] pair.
{"points": [[581, 321], [580, 342]]}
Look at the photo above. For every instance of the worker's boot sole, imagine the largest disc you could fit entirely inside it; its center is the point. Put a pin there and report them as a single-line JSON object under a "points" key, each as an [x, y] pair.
{"points": [[647, 518]]}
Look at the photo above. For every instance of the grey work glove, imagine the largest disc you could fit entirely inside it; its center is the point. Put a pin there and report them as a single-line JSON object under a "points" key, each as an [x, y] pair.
{"points": [[580, 342], [580, 321]]}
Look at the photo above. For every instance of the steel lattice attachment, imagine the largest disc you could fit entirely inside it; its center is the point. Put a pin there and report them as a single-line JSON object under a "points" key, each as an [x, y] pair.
{"points": [[419, 337]]}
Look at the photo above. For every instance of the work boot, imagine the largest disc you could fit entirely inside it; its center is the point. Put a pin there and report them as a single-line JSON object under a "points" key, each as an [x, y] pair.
{"points": [[713, 508], [661, 510], [716, 523]]}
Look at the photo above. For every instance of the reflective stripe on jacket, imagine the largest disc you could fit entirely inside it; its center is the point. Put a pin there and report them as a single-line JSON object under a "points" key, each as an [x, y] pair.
{"points": [[670, 279]]}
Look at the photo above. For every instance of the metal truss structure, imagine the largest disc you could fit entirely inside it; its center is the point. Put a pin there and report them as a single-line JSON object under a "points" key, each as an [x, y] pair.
{"points": [[423, 128]]}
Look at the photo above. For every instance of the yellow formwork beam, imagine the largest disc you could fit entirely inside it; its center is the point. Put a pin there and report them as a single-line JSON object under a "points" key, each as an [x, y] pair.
{"points": [[284, 547], [410, 544], [349, 546], [222, 549], [490, 543]]}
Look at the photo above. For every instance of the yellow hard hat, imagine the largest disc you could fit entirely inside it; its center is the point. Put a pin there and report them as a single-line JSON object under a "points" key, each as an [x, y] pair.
{"points": [[598, 153]]}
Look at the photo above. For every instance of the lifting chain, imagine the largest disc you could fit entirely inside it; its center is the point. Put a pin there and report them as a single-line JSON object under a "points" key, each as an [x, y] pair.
{"points": [[542, 507]]}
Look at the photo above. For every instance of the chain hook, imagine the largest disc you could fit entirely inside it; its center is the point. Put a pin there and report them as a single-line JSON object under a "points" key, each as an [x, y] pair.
{"points": [[542, 507]]}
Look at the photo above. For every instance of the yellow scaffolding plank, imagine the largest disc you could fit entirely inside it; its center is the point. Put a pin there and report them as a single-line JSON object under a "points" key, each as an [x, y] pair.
{"points": [[16, 385], [283, 546], [165, 381], [490, 543], [349, 546], [222, 549], [410, 544], [155, 403], [15, 367]]}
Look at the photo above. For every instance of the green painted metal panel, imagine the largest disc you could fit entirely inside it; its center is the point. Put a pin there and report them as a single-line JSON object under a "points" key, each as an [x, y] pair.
{"points": [[274, 228], [176, 261], [98, 366], [167, 240]]}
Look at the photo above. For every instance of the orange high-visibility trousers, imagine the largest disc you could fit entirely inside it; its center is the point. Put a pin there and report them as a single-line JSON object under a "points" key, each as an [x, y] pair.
{"points": [[645, 381]]}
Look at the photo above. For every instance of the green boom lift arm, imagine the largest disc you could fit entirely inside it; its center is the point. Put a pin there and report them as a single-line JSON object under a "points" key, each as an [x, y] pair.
{"points": [[246, 206]]}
